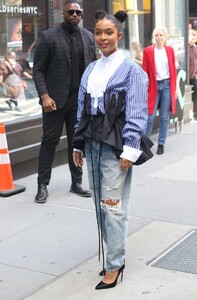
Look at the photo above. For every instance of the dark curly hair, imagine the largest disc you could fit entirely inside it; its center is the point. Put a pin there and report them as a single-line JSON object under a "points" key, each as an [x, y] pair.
{"points": [[119, 17]]}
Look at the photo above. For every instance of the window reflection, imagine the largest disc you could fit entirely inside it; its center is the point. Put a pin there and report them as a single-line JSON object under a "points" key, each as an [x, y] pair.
{"points": [[20, 24]]}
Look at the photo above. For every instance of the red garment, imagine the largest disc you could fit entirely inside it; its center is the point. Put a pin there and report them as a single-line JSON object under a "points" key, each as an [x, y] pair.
{"points": [[148, 65]]}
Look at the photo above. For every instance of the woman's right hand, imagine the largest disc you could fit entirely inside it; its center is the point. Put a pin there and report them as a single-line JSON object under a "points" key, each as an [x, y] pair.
{"points": [[125, 163]]}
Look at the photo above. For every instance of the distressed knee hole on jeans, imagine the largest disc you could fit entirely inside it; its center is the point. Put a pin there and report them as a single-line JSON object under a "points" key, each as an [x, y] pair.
{"points": [[112, 205], [110, 192]]}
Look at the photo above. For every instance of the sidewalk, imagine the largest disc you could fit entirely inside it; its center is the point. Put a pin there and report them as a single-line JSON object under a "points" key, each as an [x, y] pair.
{"points": [[50, 251], [139, 282]]}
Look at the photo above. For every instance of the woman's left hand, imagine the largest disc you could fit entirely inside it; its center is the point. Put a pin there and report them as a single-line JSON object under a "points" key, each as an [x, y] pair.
{"points": [[78, 158], [125, 164]]}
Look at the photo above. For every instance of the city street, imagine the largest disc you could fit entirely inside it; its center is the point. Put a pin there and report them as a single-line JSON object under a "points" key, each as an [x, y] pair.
{"points": [[50, 251]]}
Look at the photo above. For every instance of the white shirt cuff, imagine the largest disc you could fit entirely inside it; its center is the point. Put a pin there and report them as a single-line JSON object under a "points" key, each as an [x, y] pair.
{"points": [[131, 154]]}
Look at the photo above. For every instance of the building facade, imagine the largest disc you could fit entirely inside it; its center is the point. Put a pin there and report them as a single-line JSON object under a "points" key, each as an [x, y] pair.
{"points": [[21, 21]]}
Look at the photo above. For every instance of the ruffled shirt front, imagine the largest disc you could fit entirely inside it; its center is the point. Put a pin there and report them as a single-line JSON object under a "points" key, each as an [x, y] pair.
{"points": [[104, 68]]}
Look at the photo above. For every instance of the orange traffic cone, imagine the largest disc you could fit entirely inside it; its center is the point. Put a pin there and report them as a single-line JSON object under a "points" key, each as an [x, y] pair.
{"points": [[7, 187]]}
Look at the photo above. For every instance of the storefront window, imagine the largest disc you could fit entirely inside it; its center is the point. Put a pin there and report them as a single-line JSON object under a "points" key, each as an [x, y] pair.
{"points": [[22, 20], [192, 14], [20, 24]]}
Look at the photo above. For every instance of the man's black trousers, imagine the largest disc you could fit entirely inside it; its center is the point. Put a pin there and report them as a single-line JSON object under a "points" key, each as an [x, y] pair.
{"points": [[53, 124]]}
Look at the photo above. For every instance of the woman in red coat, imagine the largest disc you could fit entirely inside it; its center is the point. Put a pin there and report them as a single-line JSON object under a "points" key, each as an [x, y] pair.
{"points": [[159, 64]]}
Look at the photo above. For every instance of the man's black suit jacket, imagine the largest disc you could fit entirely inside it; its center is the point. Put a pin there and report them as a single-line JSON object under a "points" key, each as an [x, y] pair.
{"points": [[52, 64]]}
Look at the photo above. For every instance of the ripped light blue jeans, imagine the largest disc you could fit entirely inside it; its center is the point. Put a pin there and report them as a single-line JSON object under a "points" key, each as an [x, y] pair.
{"points": [[108, 181]]}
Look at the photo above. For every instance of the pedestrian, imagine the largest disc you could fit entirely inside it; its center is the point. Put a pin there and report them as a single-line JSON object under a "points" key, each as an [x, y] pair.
{"points": [[137, 52], [112, 116], [159, 64], [11, 86], [193, 68], [61, 55]]}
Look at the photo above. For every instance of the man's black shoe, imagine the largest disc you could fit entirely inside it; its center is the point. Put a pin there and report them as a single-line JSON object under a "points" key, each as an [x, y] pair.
{"points": [[42, 193], [160, 149], [78, 189]]}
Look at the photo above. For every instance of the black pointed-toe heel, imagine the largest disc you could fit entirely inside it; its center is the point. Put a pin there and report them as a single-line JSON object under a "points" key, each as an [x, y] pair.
{"points": [[102, 285]]}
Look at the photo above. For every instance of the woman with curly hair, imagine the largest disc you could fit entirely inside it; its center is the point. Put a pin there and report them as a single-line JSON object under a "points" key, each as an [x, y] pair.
{"points": [[112, 116]]}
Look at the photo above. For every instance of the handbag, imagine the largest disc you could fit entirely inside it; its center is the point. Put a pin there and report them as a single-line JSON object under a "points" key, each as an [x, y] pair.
{"points": [[145, 146]]}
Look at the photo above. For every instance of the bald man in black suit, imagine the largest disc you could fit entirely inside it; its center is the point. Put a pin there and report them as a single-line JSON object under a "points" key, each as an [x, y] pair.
{"points": [[61, 55]]}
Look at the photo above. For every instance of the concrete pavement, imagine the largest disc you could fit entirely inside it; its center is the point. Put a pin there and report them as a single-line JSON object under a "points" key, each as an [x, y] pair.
{"points": [[50, 251], [139, 282]]}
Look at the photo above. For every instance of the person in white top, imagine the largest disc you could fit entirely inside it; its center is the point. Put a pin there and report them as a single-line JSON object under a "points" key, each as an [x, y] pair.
{"points": [[159, 64], [112, 116]]}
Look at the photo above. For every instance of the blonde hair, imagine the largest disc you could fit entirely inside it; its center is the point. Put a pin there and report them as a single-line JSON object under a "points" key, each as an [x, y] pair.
{"points": [[163, 29]]}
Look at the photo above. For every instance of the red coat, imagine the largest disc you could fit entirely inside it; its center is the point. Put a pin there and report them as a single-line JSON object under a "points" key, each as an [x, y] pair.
{"points": [[148, 65]]}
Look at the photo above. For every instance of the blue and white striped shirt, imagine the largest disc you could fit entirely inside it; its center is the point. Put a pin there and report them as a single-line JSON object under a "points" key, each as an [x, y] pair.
{"points": [[130, 78]]}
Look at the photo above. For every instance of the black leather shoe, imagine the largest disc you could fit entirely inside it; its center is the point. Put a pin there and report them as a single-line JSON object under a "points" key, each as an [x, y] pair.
{"points": [[78, 189], [42, 193], [160, 149]]}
